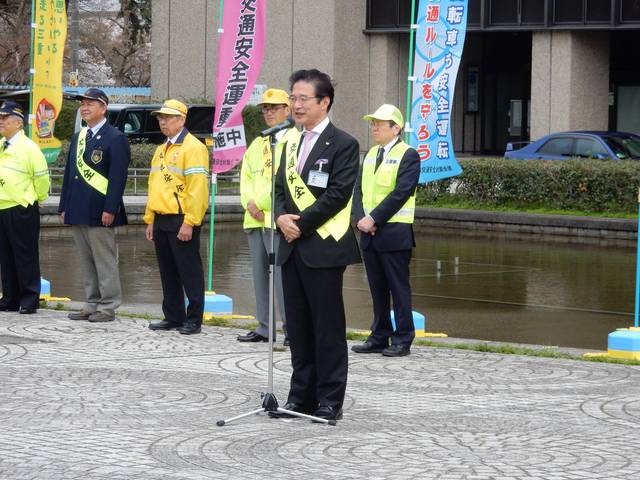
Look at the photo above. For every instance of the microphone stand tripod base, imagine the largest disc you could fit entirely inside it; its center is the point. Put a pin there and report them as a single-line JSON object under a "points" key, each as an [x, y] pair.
{"points": [[270, 404]]}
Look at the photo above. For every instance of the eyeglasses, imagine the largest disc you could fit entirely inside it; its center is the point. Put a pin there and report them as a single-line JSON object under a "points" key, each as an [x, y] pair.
{"points": [[272, 108], [302, 99]]}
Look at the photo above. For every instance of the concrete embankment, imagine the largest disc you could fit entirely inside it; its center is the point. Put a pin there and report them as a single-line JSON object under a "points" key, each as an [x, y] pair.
{"points": [[575, 228]]}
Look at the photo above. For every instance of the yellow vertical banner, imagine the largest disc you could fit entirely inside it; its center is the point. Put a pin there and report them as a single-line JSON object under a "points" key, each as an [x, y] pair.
{"points": [[49, 33]]}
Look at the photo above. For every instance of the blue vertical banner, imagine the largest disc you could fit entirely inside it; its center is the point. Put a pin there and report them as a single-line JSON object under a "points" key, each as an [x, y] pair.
{"points": [[442, 27]]}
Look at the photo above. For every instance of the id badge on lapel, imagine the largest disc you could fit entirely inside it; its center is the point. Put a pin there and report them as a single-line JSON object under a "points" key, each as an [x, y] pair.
{"points": [[318, 179]]}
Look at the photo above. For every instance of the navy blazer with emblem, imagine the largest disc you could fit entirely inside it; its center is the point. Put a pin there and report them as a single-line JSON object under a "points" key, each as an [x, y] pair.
{"points": [[108, 153]]}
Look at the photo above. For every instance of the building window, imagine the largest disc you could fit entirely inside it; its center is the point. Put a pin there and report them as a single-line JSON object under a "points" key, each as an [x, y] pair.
{"points": [[567, 11], [581, 11], [630, 11], [516, 12], [389, 14], [474, 13], [503, 12], [598, 11], [532, 12]]}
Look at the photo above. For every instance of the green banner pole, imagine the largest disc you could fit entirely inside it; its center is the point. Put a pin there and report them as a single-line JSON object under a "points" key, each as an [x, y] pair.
{"points": [[412, 34], [31, 66], [214, 187]]}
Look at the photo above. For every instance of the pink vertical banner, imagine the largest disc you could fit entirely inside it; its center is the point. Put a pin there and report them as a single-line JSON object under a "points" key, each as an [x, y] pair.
{"points": [[240, 53]]}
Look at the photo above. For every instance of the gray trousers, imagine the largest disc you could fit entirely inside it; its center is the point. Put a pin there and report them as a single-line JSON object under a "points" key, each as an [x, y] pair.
{"points": [[97, 251], [259, 245]]}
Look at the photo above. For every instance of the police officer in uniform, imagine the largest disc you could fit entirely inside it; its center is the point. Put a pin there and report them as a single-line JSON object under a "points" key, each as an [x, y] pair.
{"points": [[24, 182], [384, 205], [91, 202], [255, 196], [177, 202]]}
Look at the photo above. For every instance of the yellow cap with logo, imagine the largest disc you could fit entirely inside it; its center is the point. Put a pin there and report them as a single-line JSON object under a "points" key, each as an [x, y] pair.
{"points": [[275, 96], [172, 107], [387, 112]]}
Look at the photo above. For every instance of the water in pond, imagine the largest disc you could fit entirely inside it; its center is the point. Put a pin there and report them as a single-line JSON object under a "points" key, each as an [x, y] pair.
{"points": [[494, 287]]}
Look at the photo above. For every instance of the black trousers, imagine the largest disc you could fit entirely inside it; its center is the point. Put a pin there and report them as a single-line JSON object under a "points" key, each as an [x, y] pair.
{"points": [[181, 271], [317, 331], [388, 276], [19, 256]]}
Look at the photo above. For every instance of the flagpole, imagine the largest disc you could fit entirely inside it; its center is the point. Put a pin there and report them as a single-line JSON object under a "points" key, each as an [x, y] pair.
{"points": [[410, 79], [31, 66], [635, 314], [214, 185]]}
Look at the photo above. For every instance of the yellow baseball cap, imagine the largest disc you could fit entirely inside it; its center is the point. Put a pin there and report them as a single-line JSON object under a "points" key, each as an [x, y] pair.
{"points": [[275, 96], [387, 112], [172, 107]]}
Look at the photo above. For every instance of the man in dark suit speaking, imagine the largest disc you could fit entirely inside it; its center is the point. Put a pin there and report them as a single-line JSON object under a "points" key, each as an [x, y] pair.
{"points": [[314, 188], [384, 205]]}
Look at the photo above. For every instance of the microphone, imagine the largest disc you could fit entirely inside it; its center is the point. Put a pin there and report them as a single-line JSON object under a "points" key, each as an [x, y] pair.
{"points": [[288, 123]]}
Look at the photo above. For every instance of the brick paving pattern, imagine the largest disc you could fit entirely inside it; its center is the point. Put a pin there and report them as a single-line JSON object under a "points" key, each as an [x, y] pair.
{"points": [[119, 402]]}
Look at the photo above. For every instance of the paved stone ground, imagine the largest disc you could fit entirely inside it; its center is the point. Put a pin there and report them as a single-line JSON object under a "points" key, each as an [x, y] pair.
{"points": [[119, 402]]}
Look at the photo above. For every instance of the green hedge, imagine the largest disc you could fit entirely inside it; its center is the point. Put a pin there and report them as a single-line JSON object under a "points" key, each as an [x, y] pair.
{"points": [[585, 185]]}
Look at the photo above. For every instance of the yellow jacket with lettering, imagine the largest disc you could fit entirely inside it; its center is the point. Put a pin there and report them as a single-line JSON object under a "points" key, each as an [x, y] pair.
{"points": [[24, 175], [255, 178], [179, 181]]}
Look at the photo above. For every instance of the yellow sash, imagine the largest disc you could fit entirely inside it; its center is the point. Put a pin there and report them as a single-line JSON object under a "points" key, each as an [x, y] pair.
{"points": [[336, 226], [88, 174]]}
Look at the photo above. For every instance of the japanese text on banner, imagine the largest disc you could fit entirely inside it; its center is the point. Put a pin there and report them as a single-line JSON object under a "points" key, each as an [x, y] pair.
{"points": [[49, 36], [439, 42], [240, 53]]}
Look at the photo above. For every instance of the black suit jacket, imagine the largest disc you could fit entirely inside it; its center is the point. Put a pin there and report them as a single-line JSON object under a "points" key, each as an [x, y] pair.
{"points": [[391, 237], [341, 153], [108, 153]]}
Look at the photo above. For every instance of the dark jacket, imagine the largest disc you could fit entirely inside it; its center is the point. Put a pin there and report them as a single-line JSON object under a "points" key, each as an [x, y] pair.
{"points": [[107, 153], [390, 237], [341, 151]]}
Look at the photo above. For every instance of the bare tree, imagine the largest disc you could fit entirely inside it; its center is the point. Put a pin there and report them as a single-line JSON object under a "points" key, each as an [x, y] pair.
{"points": [[15, 38], [120, 42], [114, 42]]}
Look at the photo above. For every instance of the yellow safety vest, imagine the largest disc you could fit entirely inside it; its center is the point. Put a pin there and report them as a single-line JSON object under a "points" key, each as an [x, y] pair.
{"points": [[255, 178], [24, 174], [378, 184], [336, 226], [95, 179]]}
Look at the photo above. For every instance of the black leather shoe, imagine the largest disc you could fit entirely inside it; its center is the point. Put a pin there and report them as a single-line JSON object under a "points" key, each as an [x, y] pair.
{"points": [[294, 407], [328, 412], [368, 347], [28, 311], [396, 351], [252, 337], [164, 325], [7, 307], [190, 329]]}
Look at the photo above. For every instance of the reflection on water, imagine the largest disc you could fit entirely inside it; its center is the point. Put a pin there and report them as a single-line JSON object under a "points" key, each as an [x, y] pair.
{"points": [[494, 288]]}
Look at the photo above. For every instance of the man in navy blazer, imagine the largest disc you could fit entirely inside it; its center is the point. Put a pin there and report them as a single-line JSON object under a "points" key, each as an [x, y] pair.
{"points": [[91, 202], [314, 188], [384, 206]]}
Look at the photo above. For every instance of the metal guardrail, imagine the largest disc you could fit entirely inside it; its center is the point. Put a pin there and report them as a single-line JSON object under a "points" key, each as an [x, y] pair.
{"points": [[137, 180]]}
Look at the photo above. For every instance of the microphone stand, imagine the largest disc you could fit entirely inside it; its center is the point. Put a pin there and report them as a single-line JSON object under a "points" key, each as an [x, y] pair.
{"points": [[269, 400]]}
